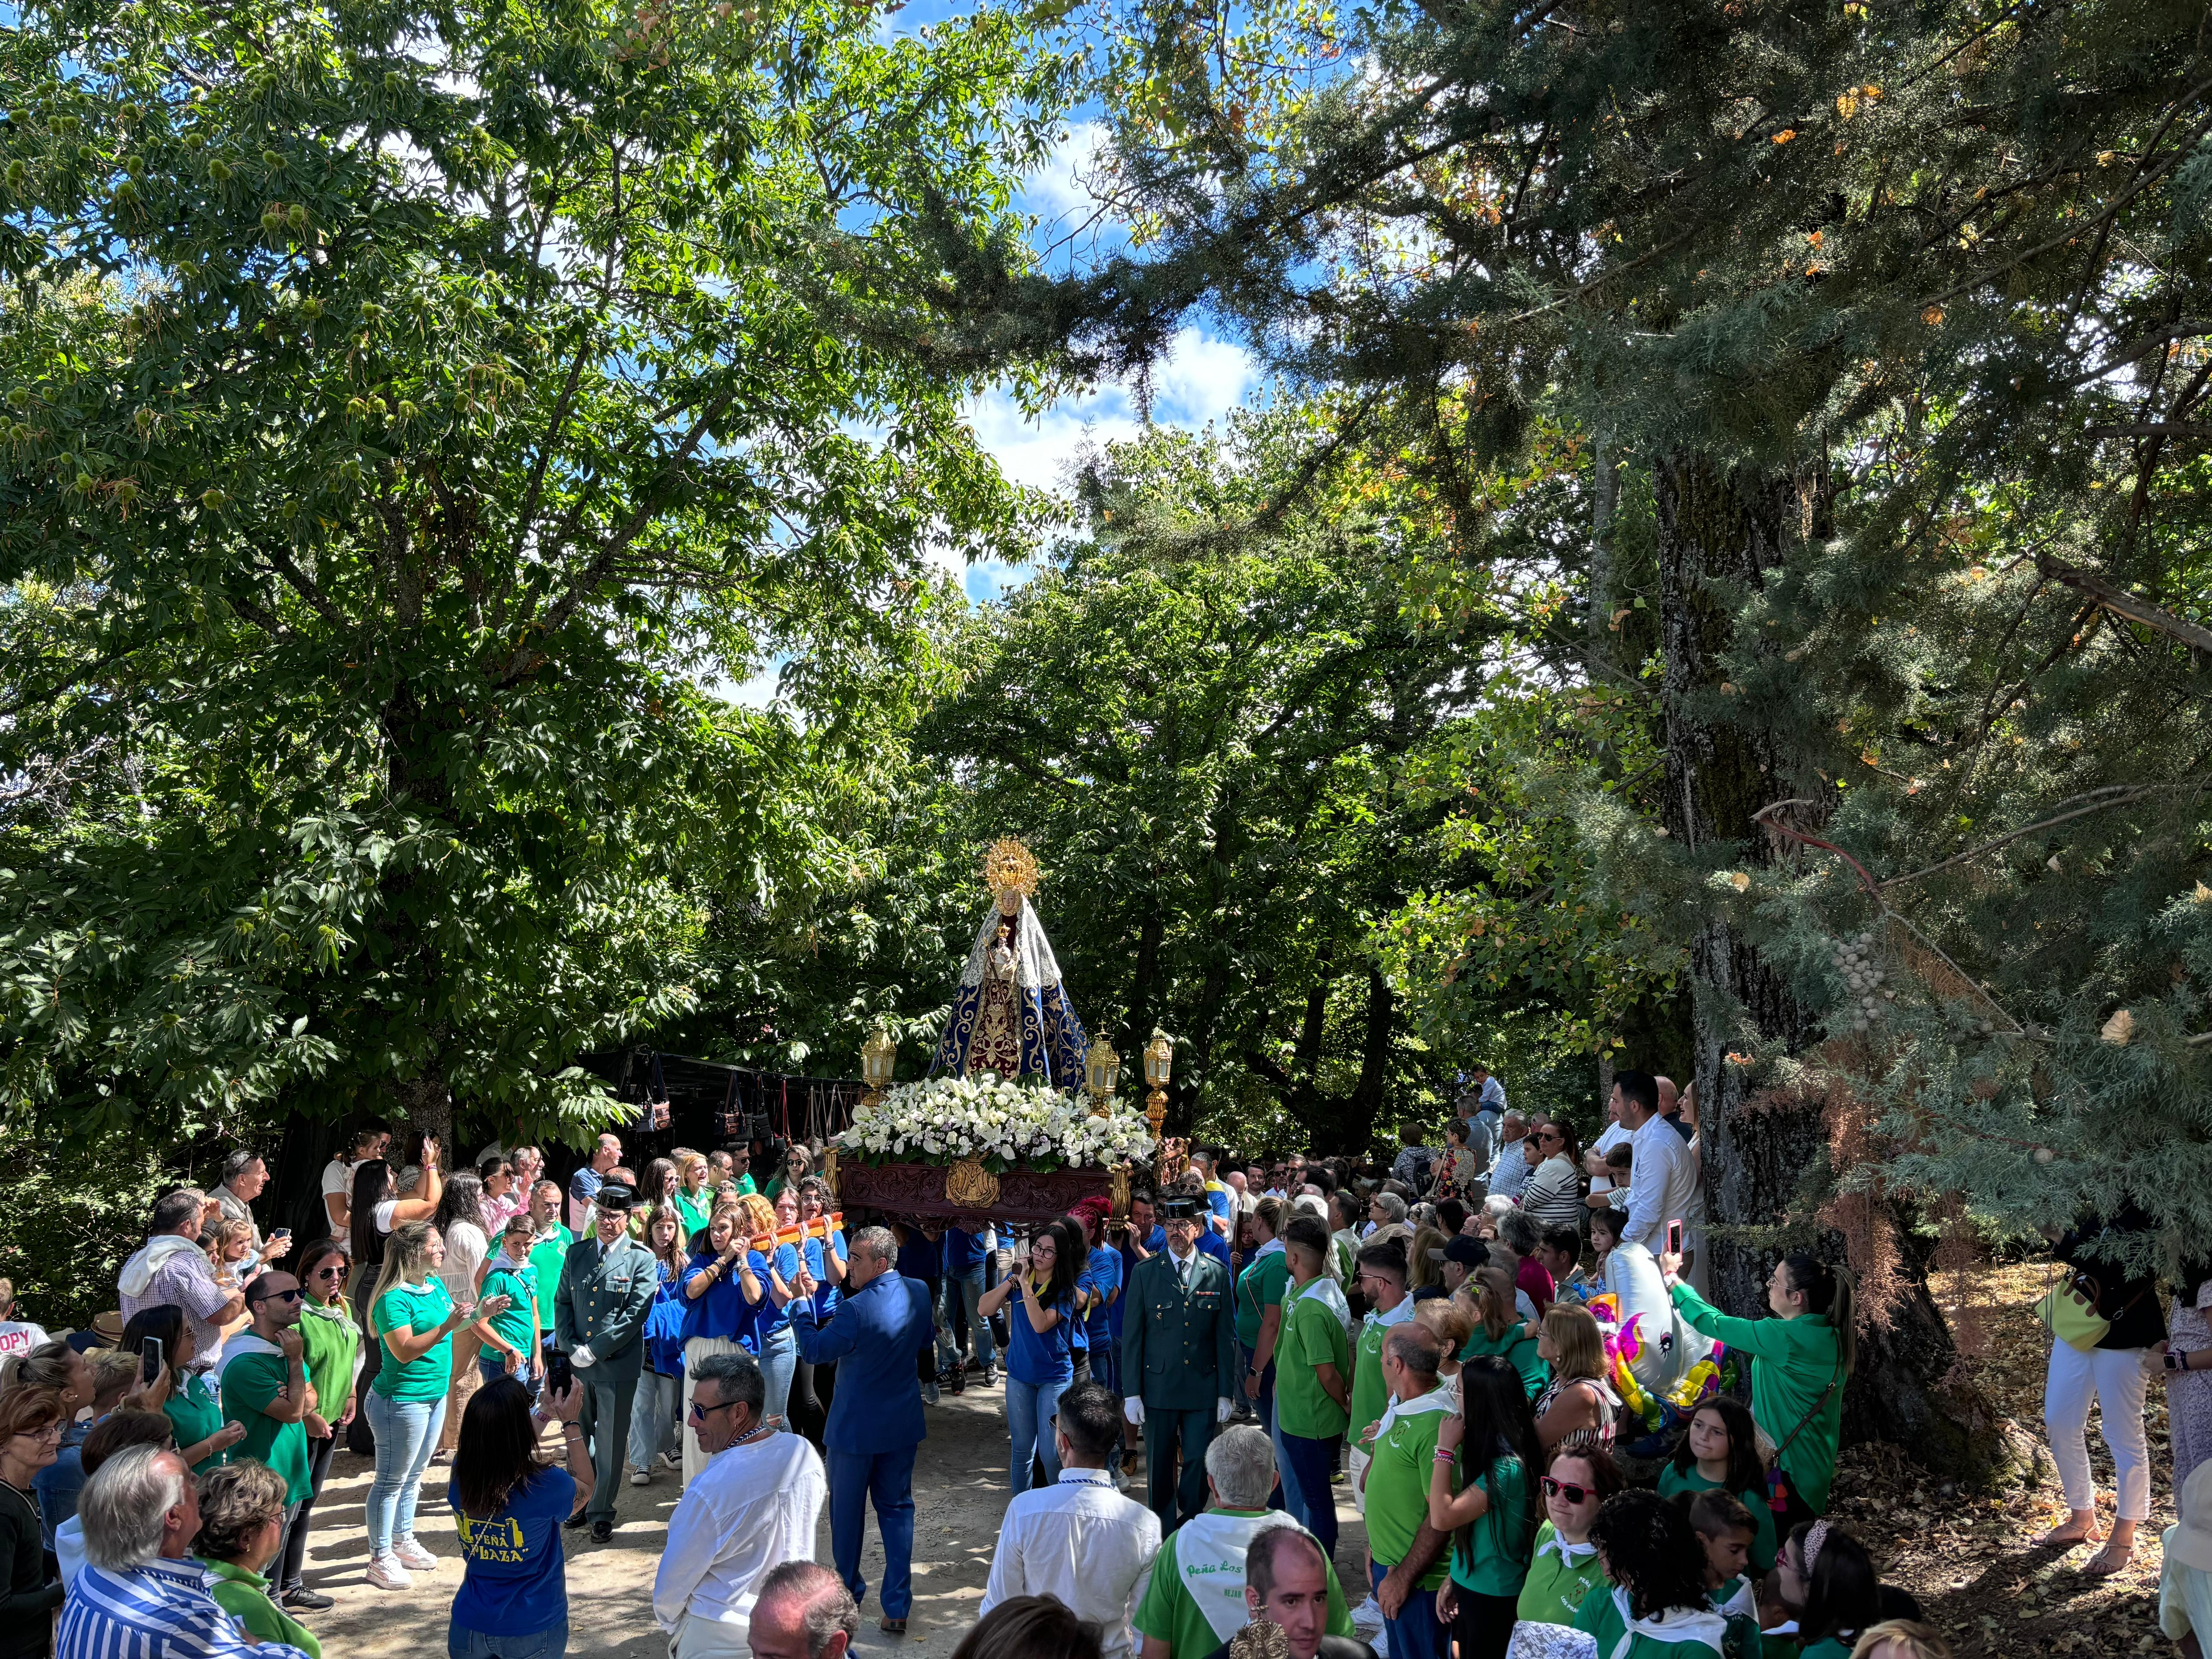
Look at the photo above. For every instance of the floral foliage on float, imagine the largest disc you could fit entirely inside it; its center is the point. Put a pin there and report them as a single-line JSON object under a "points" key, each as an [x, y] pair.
{"points": [[997, 1124]]}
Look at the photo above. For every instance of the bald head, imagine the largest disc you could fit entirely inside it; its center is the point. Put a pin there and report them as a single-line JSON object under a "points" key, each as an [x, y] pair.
{"points": [[804, 1612]]}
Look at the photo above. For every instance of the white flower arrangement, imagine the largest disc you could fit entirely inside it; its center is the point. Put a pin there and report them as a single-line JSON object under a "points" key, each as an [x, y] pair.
{"points": [[998, 1124]]}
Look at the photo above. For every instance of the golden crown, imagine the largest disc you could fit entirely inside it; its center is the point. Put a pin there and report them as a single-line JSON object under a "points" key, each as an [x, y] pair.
{"points": [[1010, 870]]}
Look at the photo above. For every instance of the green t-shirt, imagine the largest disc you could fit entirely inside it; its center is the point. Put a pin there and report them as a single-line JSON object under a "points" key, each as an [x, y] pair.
{"points": [[696, 1212], [1517, 1348], [1496, 1560], [518, 1280], [1555, 1588], [420, 1307], [1260, 1287], [1370, 1393], [1398, 1488], [546, 1258], [333, 1342], [250, 1384], [1600, 1616], [194, 1414], [245, 1596], [1673, 1480], [1312, 1337], [1170, 1612]]}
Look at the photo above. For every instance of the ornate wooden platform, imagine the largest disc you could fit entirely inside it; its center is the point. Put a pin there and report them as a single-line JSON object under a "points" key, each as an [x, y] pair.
{"points": [[966, 1194]]}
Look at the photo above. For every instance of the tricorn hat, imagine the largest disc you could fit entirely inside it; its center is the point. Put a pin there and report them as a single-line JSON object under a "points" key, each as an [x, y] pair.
{"points": [[615, 1195]]}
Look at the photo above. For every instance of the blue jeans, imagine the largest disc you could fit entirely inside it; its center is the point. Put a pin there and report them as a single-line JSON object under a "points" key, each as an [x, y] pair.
{"points": [[1414, 1633], [969, 1287], [779, 1362], [406, 1434], [1029, 1407], [491, 1366], [653, 1422], [1305, 1466], [885, 1479], [550, 1644]]}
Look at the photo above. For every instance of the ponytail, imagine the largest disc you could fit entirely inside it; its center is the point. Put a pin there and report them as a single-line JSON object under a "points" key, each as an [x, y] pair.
{"points": [[1832, 1292]]}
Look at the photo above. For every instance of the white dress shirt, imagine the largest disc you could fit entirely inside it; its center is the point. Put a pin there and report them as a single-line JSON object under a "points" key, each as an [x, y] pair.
{"points": [[1084, 1542], [751, 1509], [1662, 1186], [1614, 1135]]}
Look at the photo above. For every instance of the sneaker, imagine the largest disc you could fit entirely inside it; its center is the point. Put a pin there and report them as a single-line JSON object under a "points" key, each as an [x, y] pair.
{"points": [[639, 1478], [991, 1375], [410, 1554], [670, 1462], [386, 1573], [1367, 1618], [303, 1599], [929, 1394]]}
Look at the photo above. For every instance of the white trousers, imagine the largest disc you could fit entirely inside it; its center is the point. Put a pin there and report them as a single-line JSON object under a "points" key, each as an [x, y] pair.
{"points": [[711, 1639], [694, 1458], [2116, 1376]]}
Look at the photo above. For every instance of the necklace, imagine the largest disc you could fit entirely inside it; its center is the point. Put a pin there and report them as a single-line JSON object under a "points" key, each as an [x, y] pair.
{"points": [[759, 1433]]}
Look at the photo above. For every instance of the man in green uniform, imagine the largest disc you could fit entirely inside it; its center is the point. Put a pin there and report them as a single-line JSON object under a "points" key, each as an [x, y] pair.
{"points": [[1178, 1359], [263, 1376], [607, 1286]]}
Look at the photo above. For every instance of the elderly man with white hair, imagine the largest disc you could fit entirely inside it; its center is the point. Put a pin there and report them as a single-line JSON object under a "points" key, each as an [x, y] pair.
{"points": [[1195, 1601], [1509, 1170], [140, 1595]]}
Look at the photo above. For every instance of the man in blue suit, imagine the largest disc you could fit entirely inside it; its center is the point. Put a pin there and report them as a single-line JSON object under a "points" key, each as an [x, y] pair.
{"points": [[875, 1422]]}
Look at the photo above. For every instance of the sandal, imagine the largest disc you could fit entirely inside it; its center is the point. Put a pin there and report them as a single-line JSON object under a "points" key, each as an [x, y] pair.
{"points": [[2108, 1561]]}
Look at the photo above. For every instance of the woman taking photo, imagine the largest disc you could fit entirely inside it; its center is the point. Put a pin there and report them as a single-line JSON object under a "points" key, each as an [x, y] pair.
{"points": [[654, 1401], [717, 1318], [777, 1348], [1487, 1504], [514, 1599], [1040, 1360], [376, 1209], [459, 1222], [1800, 1359], [31, 1423], [203, 1439], [330, 1345], [1578, 1405], [1720, 1453], [413, 1320]]}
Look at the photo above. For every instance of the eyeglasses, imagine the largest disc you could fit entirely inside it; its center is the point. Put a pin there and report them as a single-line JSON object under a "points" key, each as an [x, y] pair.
{"points": [[336, 1270], [292, 1295], [1572, 1493], [698, 1410], [1549, 1134], [52, 1431]]}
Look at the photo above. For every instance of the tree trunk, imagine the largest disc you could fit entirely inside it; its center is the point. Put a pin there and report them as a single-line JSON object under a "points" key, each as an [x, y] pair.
{"points": [[1719, 535]]}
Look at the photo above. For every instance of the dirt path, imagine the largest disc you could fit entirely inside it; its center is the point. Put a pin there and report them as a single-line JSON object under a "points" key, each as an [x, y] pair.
{"points": [[960, 1493]]}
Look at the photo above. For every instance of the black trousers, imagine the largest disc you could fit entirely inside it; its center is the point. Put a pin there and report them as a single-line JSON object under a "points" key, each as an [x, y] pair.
{"points": [[360, 1438], [293, 1556], [1481, 1624], [924, 1360]]}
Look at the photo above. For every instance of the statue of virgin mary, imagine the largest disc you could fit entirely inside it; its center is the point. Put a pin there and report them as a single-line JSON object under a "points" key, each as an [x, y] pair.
{"points": [[1011, 1015]]}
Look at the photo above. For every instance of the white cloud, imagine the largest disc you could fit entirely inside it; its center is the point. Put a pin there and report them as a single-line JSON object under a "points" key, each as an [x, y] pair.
{"points": [[1201, 380], [1061, 188]]}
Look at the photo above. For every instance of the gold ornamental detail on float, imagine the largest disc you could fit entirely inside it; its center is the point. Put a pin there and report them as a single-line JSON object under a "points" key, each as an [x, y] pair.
{"points": [[970, 1185]]}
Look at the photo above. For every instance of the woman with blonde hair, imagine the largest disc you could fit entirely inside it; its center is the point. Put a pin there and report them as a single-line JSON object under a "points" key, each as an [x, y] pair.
{"points": [[1576, 1410], [695, 1198], [778, 1265], [1451, 1318], [1900, 1638], [1497, 1327], [1423, 1272], [412, 1320], [717, 1318]]}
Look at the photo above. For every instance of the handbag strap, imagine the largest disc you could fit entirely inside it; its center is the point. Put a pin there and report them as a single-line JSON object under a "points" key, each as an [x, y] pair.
{"points": [[1812, 1410]]}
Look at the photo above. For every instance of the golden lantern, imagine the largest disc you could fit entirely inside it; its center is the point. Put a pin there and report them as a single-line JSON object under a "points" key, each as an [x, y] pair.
{"points": [[879, 1056], [1101, 1072], [1159, 1059]]}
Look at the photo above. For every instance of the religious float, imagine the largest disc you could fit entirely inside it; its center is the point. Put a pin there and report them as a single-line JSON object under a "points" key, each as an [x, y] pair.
{"points": [[1018, 1119]]}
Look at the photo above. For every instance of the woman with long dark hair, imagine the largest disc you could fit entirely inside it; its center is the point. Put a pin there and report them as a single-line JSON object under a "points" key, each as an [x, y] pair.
{"points": [[459, 1222], [1492, 1514], [1656, 1567], [1720, 1453], [654, 1400], [374, 1210], [717, 1318], [514, 1599], [1829, 1574], [194, 1413], [657, 1185], [1801, 1360], [1040, 1360]]}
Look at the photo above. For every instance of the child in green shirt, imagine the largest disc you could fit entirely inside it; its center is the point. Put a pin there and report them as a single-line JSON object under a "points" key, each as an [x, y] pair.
{"points": [[1726, 1530], [1720, 1453], [1489, 1453]]}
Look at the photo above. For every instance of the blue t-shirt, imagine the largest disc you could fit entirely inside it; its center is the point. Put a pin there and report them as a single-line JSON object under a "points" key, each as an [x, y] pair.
{"points": [[964, 1251], [720, 1310], [768, 1318], [1104, 1276], [512, 1576], [1221, 1201], [664, 1330], [1209, 1244], [1036, 1356], [920, 1257], [826, 1295]]}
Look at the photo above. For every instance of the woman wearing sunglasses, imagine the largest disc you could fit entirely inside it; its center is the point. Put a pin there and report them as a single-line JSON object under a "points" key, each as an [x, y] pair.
{"points": [[1554, 1193], [31, 1423], [1564, 1569], [332, 1343]]}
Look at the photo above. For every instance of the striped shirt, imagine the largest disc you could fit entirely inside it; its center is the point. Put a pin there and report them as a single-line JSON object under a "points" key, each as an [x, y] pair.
{"points": [[160, 1611]]}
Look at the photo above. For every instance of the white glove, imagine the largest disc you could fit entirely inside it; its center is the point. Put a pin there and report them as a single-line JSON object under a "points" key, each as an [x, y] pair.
{"points": [[1134, 1409], [1221, 1411], [582, 1357]]}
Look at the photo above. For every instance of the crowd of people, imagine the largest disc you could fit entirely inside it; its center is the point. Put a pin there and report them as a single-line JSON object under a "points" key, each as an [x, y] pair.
{"points": [[1189, 1392]]}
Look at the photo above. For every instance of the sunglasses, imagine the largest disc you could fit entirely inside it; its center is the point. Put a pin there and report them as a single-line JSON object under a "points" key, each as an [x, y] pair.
{"points": [[1549, 1134], [292, 1295], [332, 1272], [1572, 1493], [698, 1410]]}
